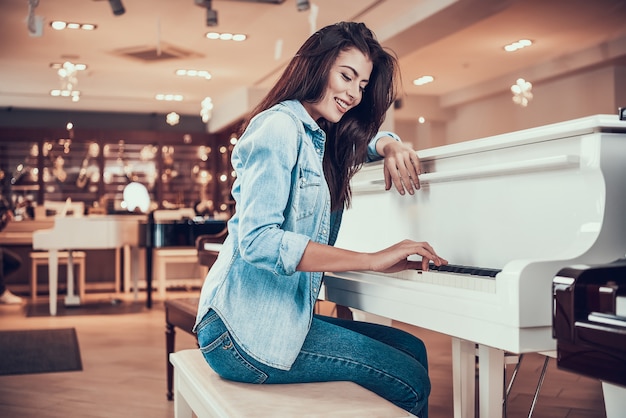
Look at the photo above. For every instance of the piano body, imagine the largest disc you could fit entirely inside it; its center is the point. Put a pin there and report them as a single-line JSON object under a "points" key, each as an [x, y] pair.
{"points": [[85, 232], [524, 204], [589, 324], [174, 228]]}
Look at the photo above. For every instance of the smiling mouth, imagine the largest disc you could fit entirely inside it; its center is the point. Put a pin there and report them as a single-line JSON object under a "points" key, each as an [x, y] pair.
{"points": [[342, 104]]}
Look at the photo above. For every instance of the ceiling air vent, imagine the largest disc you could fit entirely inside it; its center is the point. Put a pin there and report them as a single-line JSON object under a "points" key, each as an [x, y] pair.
{"points": [[154, 54]]}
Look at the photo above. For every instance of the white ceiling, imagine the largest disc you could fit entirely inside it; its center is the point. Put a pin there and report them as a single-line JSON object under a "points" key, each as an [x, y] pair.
{"points": [[459, 42]]}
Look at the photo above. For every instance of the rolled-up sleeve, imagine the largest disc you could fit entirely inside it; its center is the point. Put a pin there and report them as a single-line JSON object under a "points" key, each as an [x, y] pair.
{"points": [[372, 155], [265, 162]]}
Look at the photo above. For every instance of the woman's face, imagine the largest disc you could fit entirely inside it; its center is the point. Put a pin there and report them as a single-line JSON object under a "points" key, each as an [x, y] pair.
{"points": [[346, 82]]}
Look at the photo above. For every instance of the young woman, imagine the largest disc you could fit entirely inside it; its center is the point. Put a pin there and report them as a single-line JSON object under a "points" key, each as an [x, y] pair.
{"points": [[10, 261], [294, 162]]}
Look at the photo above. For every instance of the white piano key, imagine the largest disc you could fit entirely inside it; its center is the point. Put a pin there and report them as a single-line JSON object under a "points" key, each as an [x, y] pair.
{"points": [[437, 278]]}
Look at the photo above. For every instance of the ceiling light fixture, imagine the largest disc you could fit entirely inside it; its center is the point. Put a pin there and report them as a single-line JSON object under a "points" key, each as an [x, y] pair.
{"points": [[522, 92], [194, 73], [169, 97], [172, 118], [211, 15], [68, 74], [34, 23], [74, 94], [425, 79], [302, 5], [522, 43], [206, 109], [59, 65], [60, 25], [226, 36], [117, 7]]}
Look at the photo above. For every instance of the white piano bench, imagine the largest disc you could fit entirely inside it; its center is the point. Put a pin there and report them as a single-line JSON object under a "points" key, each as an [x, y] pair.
{"points": [[164, 256], [199, 390], [40, 258]]}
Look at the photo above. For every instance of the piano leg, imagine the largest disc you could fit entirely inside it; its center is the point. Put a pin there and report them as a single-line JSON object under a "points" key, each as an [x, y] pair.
{"points": [[118, 267], [614, 400], [131, 270], [53, 279], [135, 271], [490, 381], [149, 277], [463, 377], [71, 299]]}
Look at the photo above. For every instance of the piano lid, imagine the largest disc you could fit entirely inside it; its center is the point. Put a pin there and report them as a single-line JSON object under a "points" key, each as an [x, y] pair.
{"points": [[547, 193], [575, 127]]}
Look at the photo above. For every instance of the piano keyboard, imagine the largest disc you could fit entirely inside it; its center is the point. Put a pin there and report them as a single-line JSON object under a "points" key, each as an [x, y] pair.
{"points": [[462, 277]]}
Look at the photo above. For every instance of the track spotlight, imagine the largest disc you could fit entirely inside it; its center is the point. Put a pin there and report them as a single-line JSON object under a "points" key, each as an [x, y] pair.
{"points": [[117, 7], [302, 5], [211, 17]]}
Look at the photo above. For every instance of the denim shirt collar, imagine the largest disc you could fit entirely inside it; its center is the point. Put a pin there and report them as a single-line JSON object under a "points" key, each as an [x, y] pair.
{"points": [[318, 135]]}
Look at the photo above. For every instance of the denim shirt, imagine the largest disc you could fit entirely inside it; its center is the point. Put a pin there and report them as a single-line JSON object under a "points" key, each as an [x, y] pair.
{"points": [[282, 202]]}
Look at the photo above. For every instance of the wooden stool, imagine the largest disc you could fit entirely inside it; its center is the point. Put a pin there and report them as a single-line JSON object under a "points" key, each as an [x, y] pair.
{"points": [[199, 390], [165, 256], [40, 258]]}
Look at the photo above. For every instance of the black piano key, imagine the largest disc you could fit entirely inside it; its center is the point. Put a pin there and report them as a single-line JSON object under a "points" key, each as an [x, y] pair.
{"points": [[469, 270]]}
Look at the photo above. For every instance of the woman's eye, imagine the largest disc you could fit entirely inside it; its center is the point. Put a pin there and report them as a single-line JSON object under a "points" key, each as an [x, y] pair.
{"points": [[346, 77]]}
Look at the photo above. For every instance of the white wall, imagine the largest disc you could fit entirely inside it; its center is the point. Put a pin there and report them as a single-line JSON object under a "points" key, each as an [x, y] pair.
{"points": [[570, 97]]}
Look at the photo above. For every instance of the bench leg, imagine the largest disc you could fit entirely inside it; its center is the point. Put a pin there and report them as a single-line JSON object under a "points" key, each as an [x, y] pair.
{"points": [[71, 298], [53, 279], [33, 280], [181, 406], [161, 275], [81, 279]]}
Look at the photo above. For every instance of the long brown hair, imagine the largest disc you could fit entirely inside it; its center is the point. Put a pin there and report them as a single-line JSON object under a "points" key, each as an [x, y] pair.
{"points": [[305, 79]]}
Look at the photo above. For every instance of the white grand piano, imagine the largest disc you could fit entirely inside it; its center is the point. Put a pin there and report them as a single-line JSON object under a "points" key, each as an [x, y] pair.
{"points": [[89, 232], [524, 204]]}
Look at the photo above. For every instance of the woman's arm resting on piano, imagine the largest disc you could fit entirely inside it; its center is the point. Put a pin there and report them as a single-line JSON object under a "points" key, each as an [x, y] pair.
{"points": [[320, 257], [401, 165]]}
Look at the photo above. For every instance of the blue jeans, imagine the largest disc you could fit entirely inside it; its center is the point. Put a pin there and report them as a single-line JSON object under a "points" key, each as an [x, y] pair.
{"points": [[385, 360]]}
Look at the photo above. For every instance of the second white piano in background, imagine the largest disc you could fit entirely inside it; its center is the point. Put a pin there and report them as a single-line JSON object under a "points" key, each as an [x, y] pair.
{"points": [[85, 232], [524, 204]]}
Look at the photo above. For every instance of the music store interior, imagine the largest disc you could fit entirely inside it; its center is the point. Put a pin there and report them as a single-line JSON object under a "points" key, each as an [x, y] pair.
{"points": [[117, 123]]}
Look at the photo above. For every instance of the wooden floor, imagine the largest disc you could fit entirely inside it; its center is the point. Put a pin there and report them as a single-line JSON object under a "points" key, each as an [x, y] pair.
{"points": [[124, 372]]}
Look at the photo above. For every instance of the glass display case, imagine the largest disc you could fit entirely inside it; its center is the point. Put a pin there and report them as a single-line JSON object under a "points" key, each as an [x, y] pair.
{"points": [[178, 172]]}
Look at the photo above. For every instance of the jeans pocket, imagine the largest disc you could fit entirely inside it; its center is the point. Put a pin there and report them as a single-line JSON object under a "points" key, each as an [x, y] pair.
{"points": [[224, 357]]}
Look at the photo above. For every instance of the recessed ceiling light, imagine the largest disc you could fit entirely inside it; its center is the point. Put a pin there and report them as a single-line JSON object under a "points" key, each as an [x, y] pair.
{"points": [[72, 94], [60, 25], [425, 79], [59, 65], [238, 37], [194, 73], [169, 97], [514, 46]]}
